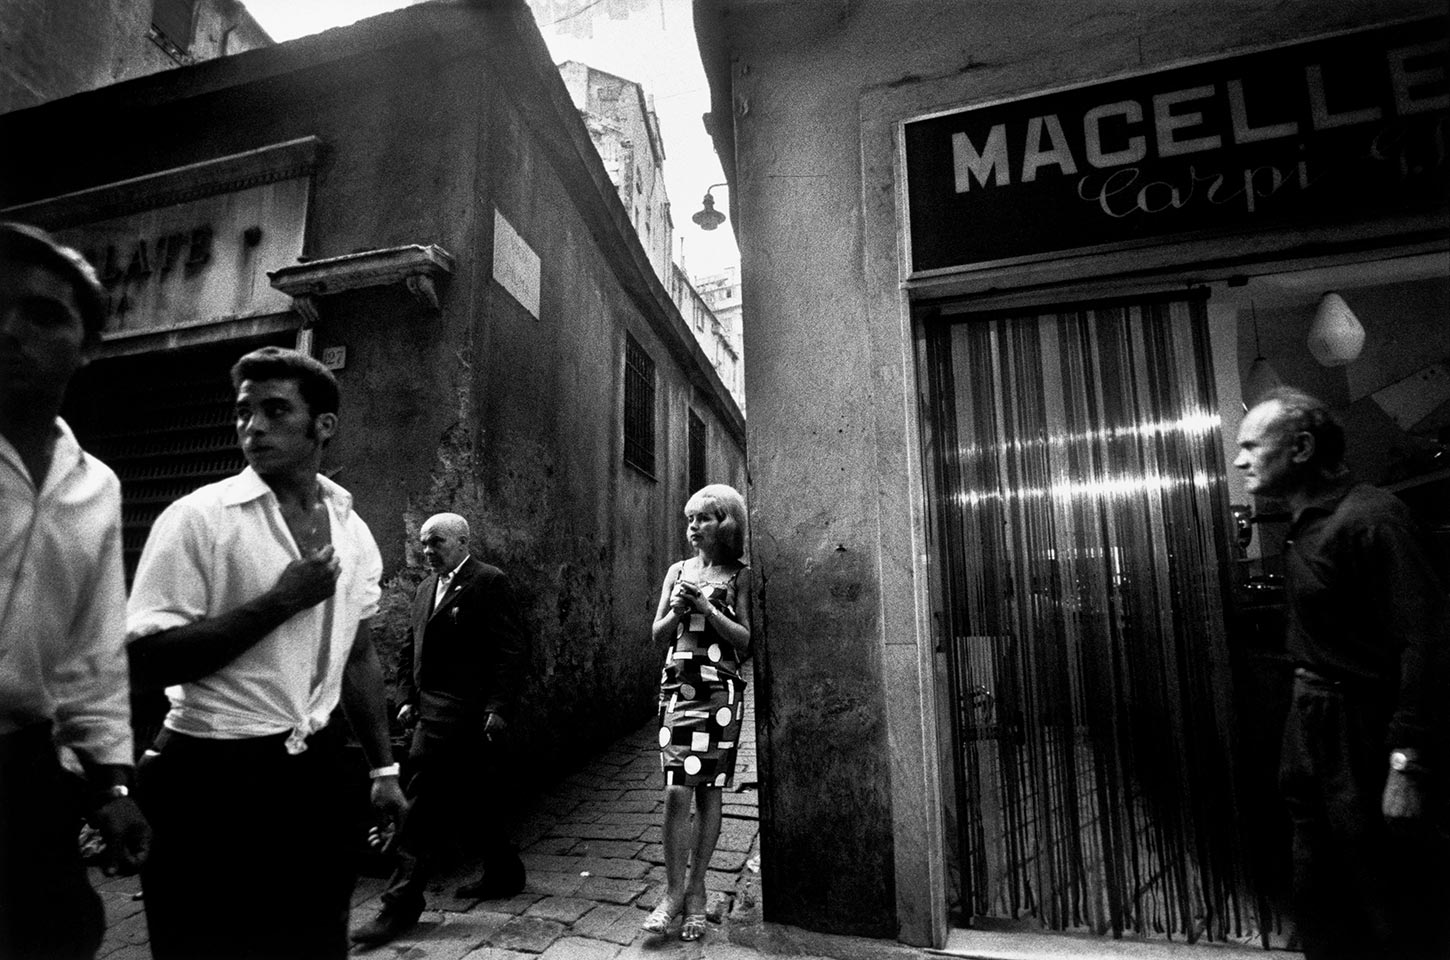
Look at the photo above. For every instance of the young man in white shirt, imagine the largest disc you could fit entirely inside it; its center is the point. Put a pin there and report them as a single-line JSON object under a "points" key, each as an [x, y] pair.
{"points": [[63, 676], [251, 606]]}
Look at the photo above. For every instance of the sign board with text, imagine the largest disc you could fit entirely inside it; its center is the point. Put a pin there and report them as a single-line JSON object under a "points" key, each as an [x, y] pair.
{"points": [[1327, 131], [198, 261]]}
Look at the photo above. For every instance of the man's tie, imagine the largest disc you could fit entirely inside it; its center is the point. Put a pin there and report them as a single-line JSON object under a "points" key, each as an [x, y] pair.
{"points": [[443, 580]]}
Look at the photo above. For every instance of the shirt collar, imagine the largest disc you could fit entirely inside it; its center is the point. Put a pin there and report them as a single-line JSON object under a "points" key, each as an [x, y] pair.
{"points": [[249, 485], [66, 456], [444, 577], [1325, 503]]}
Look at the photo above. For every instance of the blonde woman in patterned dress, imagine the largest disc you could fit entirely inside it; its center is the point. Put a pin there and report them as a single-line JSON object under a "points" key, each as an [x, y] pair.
{"points": [[705, 611]]}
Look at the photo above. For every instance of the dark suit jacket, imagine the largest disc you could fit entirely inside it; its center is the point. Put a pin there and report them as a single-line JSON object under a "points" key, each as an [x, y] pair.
{"points": [[466, 659]]}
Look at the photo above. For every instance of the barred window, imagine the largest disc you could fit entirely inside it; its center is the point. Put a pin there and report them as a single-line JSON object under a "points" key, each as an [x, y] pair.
{"points": [[698, 472], [174, 19], [639, 407]]}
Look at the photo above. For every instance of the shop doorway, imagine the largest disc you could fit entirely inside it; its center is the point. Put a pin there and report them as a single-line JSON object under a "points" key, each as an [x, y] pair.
{"points": [[1080, 521], [1111, 598]]}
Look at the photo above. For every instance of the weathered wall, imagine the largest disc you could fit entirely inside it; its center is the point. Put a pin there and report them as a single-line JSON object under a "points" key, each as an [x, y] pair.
{"points": [[813, 92], [481, 408], [50, 49]]}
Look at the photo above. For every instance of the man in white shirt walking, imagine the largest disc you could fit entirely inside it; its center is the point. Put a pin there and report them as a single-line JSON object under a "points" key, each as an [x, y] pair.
{"points": [[62, 612], [251, 606]]}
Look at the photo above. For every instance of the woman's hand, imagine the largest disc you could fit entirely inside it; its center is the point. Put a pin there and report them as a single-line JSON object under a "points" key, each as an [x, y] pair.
{"points": [[686, 598], [678, 603]]}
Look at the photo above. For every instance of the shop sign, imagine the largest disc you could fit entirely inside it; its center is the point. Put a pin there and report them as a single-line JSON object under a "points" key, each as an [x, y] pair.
{"points": [[1323, 132], [198, 261]]}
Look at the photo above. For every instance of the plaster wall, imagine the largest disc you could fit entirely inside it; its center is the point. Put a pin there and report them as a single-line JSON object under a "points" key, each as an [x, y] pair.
{"points": [[50, 49], [816, 92]]}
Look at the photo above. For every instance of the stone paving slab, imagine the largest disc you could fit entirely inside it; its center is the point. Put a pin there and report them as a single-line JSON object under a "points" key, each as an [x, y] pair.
{"points": [[594, 866], [129, 932], [580, 948], [720, 881], [729, 861], [554, 882], [617, 924], [552, 846], [737, 834], [602, 807], [613, 849], [563, 909], [497, 953], [611, 890], [528, 934], [437, 935], [650, 818], [597, 831]]}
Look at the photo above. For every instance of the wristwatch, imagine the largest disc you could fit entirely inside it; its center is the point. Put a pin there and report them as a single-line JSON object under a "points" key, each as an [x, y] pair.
{"points": [[1405, 761]]}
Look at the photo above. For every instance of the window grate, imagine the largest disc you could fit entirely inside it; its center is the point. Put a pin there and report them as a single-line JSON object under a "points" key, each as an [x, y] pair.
{"points": [[639, 407], [698, 472], [174, 19]]}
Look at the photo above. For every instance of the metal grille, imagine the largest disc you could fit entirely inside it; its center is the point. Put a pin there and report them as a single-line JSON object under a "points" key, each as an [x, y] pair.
{"points": [[164, 423], [639, 407], [174, 19], [698, 471]]}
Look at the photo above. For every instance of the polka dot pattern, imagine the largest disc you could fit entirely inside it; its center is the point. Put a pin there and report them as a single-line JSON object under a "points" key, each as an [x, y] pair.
{"points": [[700, 698]]}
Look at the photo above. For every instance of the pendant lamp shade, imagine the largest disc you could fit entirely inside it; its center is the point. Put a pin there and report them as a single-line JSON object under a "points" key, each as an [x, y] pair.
{"points": [[1337, 336], [1261, 378]]}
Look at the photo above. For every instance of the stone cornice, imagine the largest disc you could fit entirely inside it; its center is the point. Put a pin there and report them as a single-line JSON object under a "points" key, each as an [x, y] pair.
{"points": [[238, 171], [416, 266]]}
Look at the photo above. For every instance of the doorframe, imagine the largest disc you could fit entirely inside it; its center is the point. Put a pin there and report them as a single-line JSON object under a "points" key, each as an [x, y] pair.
{"points": [[919, 774]]}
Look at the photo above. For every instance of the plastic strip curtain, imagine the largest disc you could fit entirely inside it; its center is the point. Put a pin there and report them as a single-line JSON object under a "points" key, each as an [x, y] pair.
{"points": [[1080, 522]]}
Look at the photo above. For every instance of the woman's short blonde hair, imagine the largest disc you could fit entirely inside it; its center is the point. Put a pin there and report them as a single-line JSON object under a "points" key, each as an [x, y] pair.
{"points": [[729, 506]]}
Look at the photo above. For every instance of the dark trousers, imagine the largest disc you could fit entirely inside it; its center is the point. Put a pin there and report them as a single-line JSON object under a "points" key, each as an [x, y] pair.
{"points": [[1360, 890], [47, 907], [252, 853], [455, 787]]}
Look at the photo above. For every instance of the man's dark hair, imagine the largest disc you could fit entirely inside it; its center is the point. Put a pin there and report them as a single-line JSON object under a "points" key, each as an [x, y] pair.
{"points": [[314, 381], [22, 243], [1301, 413]]}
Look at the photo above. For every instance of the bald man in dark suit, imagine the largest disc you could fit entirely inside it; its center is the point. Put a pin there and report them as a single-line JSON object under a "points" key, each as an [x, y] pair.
{"points": [[458, 677]]}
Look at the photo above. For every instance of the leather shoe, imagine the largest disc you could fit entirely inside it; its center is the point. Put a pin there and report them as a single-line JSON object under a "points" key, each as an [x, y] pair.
{"points": [[387, 925], [492, 886]]}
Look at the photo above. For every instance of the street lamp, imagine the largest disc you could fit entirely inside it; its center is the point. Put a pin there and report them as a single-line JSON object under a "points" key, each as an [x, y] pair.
{"points": [[709, 218]]}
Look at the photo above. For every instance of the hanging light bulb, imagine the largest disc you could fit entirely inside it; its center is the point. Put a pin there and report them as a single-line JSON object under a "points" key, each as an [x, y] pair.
{"points": [[1336, 336], [1261, 376]]}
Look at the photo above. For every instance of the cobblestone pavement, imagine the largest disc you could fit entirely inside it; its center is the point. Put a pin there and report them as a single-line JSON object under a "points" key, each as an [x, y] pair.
{"points": [[591, 846]]}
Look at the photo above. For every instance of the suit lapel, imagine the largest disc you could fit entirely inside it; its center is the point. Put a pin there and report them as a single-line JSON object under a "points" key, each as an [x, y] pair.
{"points": [[423, 605], [463, 578]]}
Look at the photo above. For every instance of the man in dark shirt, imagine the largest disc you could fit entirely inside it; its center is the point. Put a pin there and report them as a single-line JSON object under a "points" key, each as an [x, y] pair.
{"points": [[1363, 760]]}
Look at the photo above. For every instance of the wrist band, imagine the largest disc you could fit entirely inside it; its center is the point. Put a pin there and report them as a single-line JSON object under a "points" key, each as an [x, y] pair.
{"points": [[391, 770]]}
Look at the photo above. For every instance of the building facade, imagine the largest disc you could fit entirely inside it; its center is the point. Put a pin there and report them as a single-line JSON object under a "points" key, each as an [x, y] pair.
{"points": [[1011, 273], [626, 131], [49, 53], [415, 200], [721, 294]]}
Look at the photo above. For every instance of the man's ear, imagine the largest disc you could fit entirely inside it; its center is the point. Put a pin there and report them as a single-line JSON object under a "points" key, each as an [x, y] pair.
{"points": [[1302, 443], [326, 425]]}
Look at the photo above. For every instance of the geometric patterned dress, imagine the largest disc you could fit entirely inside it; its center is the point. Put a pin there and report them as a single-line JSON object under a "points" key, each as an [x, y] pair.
{"points": [[701, 702]]}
